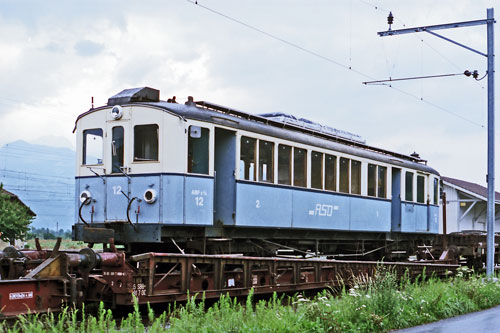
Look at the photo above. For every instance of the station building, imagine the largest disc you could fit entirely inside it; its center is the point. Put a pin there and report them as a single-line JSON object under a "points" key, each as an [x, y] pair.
{"points": [[466, 207]]}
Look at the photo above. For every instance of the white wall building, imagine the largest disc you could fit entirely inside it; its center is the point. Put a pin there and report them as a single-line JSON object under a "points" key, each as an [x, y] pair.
{"points": [[466, 206]]}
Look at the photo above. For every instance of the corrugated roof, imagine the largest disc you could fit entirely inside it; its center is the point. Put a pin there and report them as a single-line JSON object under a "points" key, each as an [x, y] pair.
{"points": [[471, 187]]}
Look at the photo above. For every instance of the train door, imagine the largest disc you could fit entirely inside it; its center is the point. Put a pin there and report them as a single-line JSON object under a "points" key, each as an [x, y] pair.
{"points": [[117, 183], [396, 200], [225, 185]]}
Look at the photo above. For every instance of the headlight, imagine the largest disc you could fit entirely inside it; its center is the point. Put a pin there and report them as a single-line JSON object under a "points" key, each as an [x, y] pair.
{"points": [[150, 196], [84, 196], [117, 112]]}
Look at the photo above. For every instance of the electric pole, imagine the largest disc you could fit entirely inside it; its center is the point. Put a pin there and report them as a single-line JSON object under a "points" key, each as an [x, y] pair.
{"points": [[490, 20]]}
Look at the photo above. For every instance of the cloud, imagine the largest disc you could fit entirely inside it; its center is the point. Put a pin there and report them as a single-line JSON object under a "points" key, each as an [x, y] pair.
{"points": [[55, 57], [88, 48]]}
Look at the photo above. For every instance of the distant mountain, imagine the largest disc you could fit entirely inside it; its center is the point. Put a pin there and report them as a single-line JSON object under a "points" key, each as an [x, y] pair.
{"points": [[43, 177]]}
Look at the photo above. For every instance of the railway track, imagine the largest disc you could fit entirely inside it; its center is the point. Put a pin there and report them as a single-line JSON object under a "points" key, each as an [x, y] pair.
{"points": [[38, 281]]}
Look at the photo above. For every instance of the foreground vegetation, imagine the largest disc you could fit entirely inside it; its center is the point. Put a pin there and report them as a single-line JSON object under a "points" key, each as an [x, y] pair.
{"points": [[371, 305]]}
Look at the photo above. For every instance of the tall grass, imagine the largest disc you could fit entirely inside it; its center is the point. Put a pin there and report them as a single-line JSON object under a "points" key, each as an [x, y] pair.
{"points": [[376, 304]]}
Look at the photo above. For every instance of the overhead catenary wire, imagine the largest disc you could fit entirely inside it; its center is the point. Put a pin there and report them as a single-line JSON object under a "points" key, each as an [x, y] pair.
{"points": [[333, 61]]}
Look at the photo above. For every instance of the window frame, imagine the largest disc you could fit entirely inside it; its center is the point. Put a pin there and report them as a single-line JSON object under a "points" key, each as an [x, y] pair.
{"points": [[358, 176], [436, 191], [321, 170], [372, 180], [290, 163], [207, 129], [158, 150], [420, 198], [269, 165], [114, 147], [348, 176], [411, 173], [84, 146], [304, 167], [335, 172], [381, 167]]}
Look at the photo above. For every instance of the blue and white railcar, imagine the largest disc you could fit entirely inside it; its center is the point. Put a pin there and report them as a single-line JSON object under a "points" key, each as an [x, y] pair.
{"points": [[149, 170]]}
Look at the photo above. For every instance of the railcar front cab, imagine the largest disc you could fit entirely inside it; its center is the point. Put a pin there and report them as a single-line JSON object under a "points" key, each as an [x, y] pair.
{"points": [[131, 173]]}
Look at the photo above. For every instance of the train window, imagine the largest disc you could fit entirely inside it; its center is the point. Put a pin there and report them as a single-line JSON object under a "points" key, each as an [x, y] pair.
{"points": [[284, 165], [421, 189], [409, 186], [355, 177], [372, 179], [117, 149], [299, 167], [344, 175], [317, 170], [92, 146], [266, 161], [198, 150], [146, 143], [330, 172], [436, 191], [247, 157], [382, 182]]}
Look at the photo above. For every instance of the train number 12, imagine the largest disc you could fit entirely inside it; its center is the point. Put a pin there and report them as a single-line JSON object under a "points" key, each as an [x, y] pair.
{"points": [[117, 190], [199, 201]]}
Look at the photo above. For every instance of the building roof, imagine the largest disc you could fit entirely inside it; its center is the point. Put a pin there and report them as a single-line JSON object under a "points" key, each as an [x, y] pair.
{"points": [[16, 198], [471, 187]]}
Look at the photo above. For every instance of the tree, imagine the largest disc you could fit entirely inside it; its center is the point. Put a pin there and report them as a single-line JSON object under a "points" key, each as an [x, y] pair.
{"points": [[15, 218]]}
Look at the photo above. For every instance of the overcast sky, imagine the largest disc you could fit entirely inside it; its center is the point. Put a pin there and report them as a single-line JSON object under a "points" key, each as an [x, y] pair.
{"points": [[56, 55]]}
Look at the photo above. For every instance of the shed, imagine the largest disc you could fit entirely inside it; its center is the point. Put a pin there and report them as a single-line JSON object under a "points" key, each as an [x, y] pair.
{"points": [[466, 206]]}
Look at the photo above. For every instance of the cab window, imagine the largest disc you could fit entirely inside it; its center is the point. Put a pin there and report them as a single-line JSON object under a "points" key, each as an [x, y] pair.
{"points": [[117, 149], [92, 146], [146, 143], [198, 150]]}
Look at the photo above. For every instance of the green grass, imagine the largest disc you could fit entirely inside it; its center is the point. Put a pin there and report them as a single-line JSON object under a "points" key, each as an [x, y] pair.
{"points": [[376, 304], [66, 244]]}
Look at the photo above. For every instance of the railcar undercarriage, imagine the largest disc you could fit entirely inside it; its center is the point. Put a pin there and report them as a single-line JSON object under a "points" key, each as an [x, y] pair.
{"points": [[256, 241]]}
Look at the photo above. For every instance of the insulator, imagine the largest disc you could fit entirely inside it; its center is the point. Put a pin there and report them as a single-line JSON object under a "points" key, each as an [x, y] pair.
{"points": [[390, 18]]}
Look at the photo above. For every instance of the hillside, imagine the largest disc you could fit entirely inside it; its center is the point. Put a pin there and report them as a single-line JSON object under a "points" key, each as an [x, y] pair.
{"points": [[43, 178]]}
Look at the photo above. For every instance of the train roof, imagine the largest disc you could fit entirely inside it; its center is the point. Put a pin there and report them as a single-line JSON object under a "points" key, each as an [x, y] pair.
{"points": [[266, 124]]}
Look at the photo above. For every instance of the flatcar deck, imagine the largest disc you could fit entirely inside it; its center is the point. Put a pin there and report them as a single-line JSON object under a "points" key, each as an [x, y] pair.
{"points": [[41, 281]]}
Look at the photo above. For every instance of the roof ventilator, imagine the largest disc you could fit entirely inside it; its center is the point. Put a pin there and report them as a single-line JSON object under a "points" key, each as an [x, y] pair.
{"points": [[127, 96]]}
